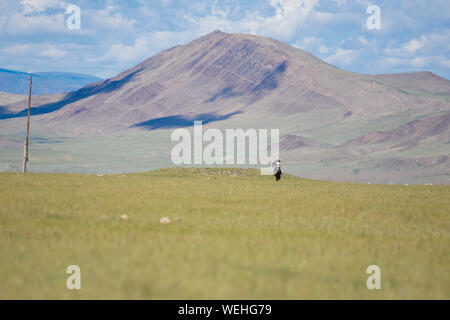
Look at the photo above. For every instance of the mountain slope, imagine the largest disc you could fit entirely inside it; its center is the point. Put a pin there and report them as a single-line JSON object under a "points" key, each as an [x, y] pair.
{"points": [[17, 82], [408, 134], [14, 105], [334, 124], [224, 73], [425, 83]]}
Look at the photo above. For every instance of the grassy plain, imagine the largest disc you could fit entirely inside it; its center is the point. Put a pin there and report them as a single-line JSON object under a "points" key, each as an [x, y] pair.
{"points": [[234, 234]]}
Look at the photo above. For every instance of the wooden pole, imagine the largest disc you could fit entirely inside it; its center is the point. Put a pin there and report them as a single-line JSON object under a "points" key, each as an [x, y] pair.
{"points": [[25, 151]]}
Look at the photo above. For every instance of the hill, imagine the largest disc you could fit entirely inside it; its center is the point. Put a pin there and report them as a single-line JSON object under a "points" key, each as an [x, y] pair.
{"points": [[17, 82], [222, 73], [328, 117], [297, 239], [417, 83], [407, 135]]}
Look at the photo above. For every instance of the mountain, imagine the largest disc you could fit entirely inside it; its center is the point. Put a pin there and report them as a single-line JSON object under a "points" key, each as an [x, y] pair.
{"points": [[334, 124], [17, 82], [415, 83], [292, 141], [407, 135], [220, 74]]}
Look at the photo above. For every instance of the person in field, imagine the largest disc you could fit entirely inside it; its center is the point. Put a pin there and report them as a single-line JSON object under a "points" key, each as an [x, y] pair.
{"points": [[277, 169]]}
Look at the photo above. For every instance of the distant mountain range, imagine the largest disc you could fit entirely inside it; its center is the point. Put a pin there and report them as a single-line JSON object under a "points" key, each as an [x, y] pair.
{"points": [[17, 82], [334, 124]]}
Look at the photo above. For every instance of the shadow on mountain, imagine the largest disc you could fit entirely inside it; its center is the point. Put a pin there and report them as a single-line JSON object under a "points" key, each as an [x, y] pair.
{"points": [[3, 110], [224, 93], [83, 93], [179, 121], [270, 79]]}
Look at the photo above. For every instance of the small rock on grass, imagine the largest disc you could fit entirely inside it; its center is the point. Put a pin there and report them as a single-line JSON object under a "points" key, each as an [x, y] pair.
{"points": [[165, 220]]}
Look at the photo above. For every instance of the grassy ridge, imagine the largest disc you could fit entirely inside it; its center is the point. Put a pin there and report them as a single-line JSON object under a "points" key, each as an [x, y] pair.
{"points": [[235, 234]]}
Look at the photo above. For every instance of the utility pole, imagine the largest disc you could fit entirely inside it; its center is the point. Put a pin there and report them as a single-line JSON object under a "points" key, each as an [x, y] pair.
{"points": [[25, 150]]}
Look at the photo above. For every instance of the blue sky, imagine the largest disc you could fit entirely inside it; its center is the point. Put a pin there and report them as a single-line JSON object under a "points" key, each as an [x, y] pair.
{"points": [[117, 34]]}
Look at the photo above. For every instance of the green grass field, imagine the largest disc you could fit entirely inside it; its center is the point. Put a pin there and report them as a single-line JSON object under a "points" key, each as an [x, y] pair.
{"points": [[234, 234]]}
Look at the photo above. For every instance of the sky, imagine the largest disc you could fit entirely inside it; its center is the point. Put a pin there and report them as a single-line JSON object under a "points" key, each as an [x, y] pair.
{"points": [[114, 35]]}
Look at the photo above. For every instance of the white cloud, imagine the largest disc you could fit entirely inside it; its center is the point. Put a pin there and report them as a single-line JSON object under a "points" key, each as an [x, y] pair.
{"points": [[125, 53], [343, 57], [407, 49], [363, 40], [215, 11], [35, 50], [323, 50], [415, 44], [115, 35], [312, 44], [289, 16], [436, 43], [39, 6], [19, 24], [17, 50], [331, 20], [109, 18], [340, 2], [53, 52], [31, 17]]}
